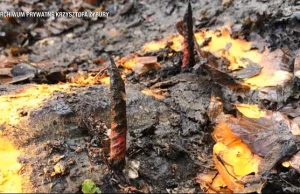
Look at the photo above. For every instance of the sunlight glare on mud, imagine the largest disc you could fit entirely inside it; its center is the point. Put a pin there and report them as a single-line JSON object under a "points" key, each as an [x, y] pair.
{"points": [[238, 52], [235, 51], [12, 108], [89, 79], [128, 62], [10, 180], [154, 46], [28, 99]]}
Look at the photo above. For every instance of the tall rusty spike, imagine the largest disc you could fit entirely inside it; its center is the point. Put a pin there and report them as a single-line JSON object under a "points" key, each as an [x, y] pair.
{"points": [[118, 118], [188, 35]]}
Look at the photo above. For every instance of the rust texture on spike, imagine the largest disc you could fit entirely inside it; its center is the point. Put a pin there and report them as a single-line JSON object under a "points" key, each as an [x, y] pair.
{"points": [[118, 118], [188, 35]]}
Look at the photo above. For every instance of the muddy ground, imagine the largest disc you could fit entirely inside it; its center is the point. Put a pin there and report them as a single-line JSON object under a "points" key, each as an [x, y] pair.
{"points": [[169, 138]]}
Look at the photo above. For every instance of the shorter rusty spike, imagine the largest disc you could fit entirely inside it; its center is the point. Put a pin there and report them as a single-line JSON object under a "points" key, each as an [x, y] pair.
{"points": [[188, 35]]}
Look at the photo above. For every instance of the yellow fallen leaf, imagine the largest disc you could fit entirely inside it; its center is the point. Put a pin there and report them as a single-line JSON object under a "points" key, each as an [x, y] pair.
{"points": [[250, 110], [286, 164], [219, 185], [154, 46], [238, 157], [222, 133], [211, 182], [233, 159]]}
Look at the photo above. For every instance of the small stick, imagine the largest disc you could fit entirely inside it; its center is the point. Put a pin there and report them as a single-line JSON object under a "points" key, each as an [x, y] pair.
{"points": [[188, 35], [118, 118]]}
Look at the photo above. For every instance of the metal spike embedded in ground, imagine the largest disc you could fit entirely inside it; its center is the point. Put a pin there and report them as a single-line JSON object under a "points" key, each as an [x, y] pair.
{"points": [[118, 118], [188, 35]]}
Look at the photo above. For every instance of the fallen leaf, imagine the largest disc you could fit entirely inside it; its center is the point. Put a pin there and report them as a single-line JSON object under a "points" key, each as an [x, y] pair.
{"points": [[146, 60], [9, 62], [224, 79], [297, 64], [5, 79], [250, 110], [225, 169], [215, 109], [154, 46], [294, 162], [273, 72], [218, 185], [140, 68], [132, 168], [5, 71], [21, 78], [156, 93], [251, 69], [63, 23], [233, 158], [212, 182], [266, 137], [23, 69], [145, 65], [127, 7], [291, 109]]}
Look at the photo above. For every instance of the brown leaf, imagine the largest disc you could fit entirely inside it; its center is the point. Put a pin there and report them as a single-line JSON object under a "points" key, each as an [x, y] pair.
{"points": [[5, 79], [179, 27], [294, 162], [126, 9], [17, 51], [156, 93], [140, 68], [224, 79], [212, 182], [291, 109], [215, 109], [251, 69], [62, 24], [270, 138], [5, 71], [297, 64], [10, 61], [146, 60], [5, 75], [141, 65]]}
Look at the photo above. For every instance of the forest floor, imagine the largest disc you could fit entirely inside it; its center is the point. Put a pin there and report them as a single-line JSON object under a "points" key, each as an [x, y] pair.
{"points": [[55, 99]]}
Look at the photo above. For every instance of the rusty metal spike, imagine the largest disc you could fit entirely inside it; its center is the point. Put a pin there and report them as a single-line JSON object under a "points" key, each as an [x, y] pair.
{"points": [[118, 118], [188, 34]]}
